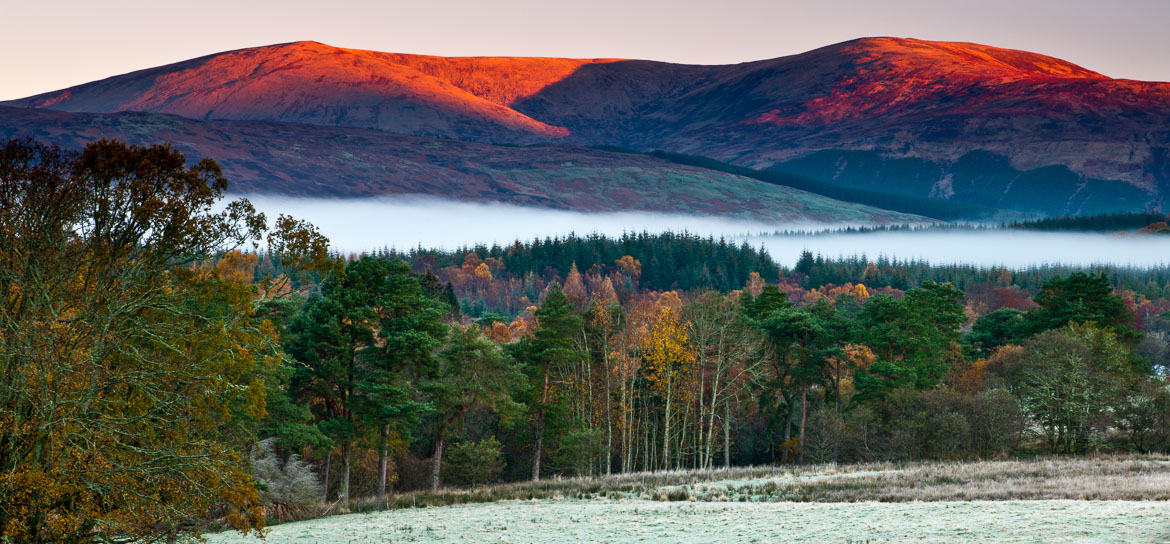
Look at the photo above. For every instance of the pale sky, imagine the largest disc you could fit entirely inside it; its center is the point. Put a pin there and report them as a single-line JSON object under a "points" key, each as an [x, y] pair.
{"points": [[51, 45]]}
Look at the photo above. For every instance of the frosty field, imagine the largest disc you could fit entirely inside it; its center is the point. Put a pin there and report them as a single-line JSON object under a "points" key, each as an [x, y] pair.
{"points": [[518, 522], [1106, 499]]}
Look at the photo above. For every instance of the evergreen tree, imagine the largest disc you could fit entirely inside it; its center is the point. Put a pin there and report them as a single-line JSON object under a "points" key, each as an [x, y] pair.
{"points": [[409, 329], [472, 372], [1082, 298], [998, 328], [550, 347], [363, 343], [915, 338]]}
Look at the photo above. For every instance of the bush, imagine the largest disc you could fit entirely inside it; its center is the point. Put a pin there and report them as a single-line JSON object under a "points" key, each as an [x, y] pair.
{"points": [[996, 423], [473, 463], [414, 473], [579, 450], [1144, 417], [286, 488], [823, 436], [934, 424]]}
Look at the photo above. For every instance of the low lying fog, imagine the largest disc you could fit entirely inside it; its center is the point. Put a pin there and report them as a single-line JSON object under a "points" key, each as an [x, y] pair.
{"points": [[360, 225], [1010, 248], [407, 222]]}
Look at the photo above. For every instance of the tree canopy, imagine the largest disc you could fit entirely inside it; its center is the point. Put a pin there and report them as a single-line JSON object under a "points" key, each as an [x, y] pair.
{"points": [[126, 375]]}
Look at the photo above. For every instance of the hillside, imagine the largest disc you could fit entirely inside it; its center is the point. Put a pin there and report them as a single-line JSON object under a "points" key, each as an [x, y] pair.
{"points": [[316, 161], [304, 82], [967, 122]]}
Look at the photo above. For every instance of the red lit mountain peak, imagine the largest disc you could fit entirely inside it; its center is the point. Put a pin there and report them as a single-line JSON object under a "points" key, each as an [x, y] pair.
{"points": [[894, 98], [898, 54], [305, 82]]}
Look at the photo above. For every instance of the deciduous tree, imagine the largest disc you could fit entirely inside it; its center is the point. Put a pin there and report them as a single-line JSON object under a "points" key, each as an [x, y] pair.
{"points": [[130, 379]]}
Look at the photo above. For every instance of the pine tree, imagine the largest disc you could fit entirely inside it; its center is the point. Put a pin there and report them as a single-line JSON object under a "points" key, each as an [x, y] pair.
{"points": [[550, 347]]}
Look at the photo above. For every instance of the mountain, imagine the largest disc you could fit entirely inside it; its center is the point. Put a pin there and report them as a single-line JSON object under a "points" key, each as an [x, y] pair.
{"points": [[961, 121], [269, 157], [307, 82]]}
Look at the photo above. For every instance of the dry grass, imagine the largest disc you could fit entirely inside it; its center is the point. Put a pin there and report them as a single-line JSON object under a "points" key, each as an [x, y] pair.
{"points": [[1099, 478], [1084, 478]]}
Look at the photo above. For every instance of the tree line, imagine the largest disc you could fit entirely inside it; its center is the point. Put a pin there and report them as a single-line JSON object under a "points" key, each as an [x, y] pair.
{"points": [[506, 280], [587, 383], [1113, 222]]}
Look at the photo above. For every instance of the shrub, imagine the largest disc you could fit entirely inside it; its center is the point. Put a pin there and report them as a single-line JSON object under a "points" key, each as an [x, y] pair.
{"points": [[823, 436], [997, 425], [286, 488], [1144, 417], [473, 463], [579, 450]]}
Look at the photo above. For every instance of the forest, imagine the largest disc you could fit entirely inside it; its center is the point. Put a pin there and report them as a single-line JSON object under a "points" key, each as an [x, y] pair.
{"points": [[597, 377], [162, 374]]}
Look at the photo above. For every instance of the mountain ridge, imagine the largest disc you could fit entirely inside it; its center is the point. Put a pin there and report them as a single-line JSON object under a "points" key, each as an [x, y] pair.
{"points": [[896, 98]]}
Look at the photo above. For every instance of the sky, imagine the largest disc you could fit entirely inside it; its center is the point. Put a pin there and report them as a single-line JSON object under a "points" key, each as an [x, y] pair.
{"points": [[51, 45]]}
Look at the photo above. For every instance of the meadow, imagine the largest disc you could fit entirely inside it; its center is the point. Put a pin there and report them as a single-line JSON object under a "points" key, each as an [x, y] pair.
{"points": [[1094, 499]]}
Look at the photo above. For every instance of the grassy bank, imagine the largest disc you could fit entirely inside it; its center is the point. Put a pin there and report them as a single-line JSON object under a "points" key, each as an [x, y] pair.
{"points": [[1084, 478]]}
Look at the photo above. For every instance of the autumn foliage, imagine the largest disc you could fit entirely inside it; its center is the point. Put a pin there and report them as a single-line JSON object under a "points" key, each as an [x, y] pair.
{"points": [[130, 377]]}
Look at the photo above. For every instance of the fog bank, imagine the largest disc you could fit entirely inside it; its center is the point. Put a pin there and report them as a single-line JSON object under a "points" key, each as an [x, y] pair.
{"points": [[409, 222], [991, 248]]}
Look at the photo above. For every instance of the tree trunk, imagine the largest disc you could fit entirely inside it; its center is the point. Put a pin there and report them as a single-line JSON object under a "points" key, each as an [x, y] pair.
{"points": [[699, 447], [383, 460], [837, 425], [608, 415], [438, 465], [347, 463], [347, 448], [666, 429], [540, 431], [709, 441], [628, 417], [727, 433], [328, 458], [536, 453], [803, 418], [788, 417]]}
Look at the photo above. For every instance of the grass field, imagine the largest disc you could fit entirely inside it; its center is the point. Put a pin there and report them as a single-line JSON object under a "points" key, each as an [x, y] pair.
{"points": [[519, 522], [1069, 500]]}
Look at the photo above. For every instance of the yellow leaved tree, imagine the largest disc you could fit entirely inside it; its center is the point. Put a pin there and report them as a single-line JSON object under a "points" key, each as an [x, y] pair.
{"points": [[669, 362]]}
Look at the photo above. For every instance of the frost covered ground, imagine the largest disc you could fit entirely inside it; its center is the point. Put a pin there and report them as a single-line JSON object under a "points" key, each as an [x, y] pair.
{"points": [[517, 522], [1096, 499]]}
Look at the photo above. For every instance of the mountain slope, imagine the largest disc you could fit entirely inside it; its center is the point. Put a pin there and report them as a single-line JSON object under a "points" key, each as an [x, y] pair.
{"points": [[949, 120], [305, 160], [304, 82]]}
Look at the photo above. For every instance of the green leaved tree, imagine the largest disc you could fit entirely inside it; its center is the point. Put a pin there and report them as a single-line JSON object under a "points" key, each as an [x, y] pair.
{"points": [[472, 372]]}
